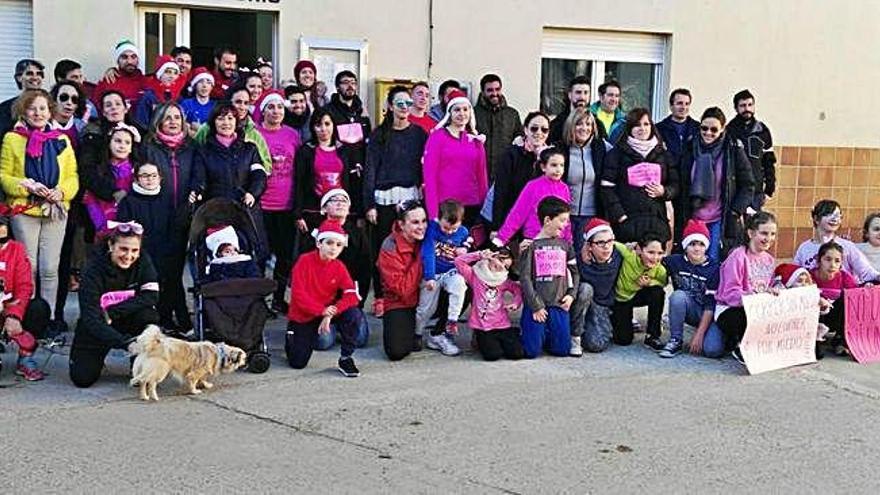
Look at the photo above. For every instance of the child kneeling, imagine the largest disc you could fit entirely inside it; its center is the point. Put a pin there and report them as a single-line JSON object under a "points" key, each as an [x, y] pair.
{"points": [[486, 274], [322, 291], [640, 283]]}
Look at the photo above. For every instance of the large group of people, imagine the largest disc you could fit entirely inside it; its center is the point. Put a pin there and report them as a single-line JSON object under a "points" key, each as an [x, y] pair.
{"points": [[573, 220]]}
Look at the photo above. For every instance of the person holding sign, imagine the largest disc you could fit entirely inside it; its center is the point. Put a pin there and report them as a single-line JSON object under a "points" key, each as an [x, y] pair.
{"points": [[549, 278], [832, 281], [637, 181], [747, 270], [640, 283]]}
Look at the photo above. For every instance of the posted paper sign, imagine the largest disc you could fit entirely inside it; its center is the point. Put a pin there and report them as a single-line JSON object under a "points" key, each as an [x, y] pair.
{"points": [[781, 330], [863, 323], [644, 173], [350, 133]]}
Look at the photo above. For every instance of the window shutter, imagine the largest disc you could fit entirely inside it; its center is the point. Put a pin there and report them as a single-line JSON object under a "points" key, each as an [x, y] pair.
{"points": [[16, 43]]}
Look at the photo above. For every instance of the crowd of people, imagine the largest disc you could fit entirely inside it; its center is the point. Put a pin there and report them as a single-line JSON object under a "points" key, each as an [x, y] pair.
{"points": [[573, 221]]}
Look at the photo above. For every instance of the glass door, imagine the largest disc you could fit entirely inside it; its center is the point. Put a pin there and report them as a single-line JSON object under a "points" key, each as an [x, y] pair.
{"points": [[160, 30]]}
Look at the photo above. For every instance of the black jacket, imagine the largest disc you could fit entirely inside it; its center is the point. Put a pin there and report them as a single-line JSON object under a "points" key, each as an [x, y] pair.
{"points": [[598, 152], [643, 213], [101, 276], [157, 153], [162, 236], [304, 197], [222, 172], [675, 144], [343, 114], [500, 124], [397, 163], [6, 120], [92, 165], [736, 194], [758, 144], [515, 168]]}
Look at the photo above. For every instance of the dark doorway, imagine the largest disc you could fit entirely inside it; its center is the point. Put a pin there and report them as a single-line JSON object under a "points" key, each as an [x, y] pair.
{"points": [[250, 33]]}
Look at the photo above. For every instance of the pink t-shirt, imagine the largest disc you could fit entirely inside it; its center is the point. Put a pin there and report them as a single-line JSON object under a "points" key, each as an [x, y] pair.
{"points": [[833, 289], [328, 171], [282, 144]]}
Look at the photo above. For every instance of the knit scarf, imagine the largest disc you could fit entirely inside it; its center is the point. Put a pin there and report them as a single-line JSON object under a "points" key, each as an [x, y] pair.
{"points": [[36, 138], [171, 141], [146, 192], [487, 276], [703, 174], [642, 147]]}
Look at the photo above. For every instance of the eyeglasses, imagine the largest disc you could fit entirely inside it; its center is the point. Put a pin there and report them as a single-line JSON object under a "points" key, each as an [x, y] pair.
{"points": [[127, 227], [148, 176], [604, 243], [401, 104], [32, 73], [338, 200], [535, 128], [713, 130], [64, 97]]}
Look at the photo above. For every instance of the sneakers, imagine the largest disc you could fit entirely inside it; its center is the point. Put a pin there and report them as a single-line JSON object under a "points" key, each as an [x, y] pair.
{"points": [[27, 368], [444, 344], [737, 356], [653, 343], [452, 327], [671, 349], [347, 367], [577, 349]]}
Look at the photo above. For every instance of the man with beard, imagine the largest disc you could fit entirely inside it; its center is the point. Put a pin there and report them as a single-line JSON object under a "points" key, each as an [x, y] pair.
{"points": [[352, 128], [225, 71], [578, 97], [755, 136], [499, 122], [438, 111], [297, 113], [29, 74], [126, 77]]}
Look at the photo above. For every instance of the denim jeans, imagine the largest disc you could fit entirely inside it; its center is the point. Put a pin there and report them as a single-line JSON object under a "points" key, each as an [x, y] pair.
{"points": [[327, 340], [684, 309]]}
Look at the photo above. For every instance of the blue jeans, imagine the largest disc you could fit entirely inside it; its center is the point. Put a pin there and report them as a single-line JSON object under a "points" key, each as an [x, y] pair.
{"points": [[714, 251], [553, 334], [327, 340], [684, 309]]}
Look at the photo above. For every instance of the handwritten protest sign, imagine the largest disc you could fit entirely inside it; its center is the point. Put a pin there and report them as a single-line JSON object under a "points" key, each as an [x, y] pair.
{"points": [[863, 323], [782, 329], [644, 173], [549, 263]]}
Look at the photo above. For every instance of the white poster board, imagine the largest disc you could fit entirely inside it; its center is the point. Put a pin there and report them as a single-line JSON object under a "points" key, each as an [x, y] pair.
{"points": [[781, 329]]}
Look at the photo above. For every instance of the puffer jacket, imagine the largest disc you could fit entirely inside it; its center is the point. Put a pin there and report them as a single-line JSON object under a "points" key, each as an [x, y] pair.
{"points": [[222, 172]]}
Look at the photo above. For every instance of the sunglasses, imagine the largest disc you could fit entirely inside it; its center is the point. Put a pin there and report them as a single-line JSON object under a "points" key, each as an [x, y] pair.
{"points": [[31, 73], [401, 104], [602, 244], [713, 130], [65, 97], [535, 128], [129, 227]]}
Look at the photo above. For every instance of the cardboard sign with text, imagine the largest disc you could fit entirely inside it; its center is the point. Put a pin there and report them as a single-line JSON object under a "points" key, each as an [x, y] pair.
{"points": [[781, 330], [863, 323]]}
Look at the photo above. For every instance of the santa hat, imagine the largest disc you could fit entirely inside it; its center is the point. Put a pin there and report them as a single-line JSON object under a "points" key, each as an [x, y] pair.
{"points": [[125, 46], [333, 192], [268, 97], [331, 229], [595, 226], [457, 97], [219, 236], [164, 62], [787, 273], [695, 230], [303, 64], [198, 75]]}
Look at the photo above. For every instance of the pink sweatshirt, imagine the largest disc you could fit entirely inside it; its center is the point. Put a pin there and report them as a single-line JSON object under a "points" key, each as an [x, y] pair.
{"points": [[854, 260], [524, 213], [488, 312], [454, 168], [833, 289], [743, 273]]}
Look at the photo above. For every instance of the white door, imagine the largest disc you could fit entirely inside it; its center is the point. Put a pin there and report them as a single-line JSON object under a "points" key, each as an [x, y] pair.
{"points": [[16, 42], [159, 31]]}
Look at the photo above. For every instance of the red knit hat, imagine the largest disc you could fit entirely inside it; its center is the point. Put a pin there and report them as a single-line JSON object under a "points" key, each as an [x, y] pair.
{"points": [[331, 229], [695, 230], [787, 273], [163, 62], [198, 75], [302, 64], [594, 226]]}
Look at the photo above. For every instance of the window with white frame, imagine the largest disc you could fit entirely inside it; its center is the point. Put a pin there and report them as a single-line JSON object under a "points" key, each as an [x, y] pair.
{"points": [[160, 29], [636, 60]]}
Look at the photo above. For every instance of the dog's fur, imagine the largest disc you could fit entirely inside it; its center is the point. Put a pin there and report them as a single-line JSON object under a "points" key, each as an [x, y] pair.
{"points": [[192, 363]]}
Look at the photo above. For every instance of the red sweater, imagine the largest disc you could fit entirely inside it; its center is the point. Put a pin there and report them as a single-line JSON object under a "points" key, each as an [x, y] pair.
{"points": [[221, 85], [132, 86], [315, 284], [400, 268], [15, 273]]}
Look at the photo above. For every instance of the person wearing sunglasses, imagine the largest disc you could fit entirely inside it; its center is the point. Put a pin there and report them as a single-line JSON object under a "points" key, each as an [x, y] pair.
{"points": [[716, 186], [29, 74], [394, 168], [117, 300], [70, 103], [498, 121]]}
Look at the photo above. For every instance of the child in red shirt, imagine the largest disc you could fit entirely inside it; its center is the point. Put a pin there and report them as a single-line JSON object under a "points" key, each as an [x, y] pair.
{"points": [[321, 291], [833, 280]]}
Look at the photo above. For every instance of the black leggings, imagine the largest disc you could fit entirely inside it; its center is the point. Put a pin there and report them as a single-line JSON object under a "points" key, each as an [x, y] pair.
{"points": [[732, 323], [834, 320], [172, 296], [621, 318], [281, 231], [398, 332], [495, 344]]}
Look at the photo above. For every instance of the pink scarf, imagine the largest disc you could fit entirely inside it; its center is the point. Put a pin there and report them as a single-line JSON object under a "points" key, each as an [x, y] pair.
{"points": [[36, 138], [642, 147], [172, 141], [226, 141]]}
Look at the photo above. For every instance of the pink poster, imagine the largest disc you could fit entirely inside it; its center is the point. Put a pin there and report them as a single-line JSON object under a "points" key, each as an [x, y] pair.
{"points": [[350, 133], [550, 263], [115, 297], [781, 330], [863, 323], [644, 173]]}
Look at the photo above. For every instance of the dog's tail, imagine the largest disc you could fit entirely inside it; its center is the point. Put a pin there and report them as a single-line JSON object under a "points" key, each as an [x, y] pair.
{"points": [[149, 340]]}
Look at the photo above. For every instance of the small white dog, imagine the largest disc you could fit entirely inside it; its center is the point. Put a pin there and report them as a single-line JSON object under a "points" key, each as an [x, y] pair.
{"points": [[192, 363]]}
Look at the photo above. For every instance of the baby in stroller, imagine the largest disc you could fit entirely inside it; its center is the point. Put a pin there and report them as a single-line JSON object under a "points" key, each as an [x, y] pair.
{"points": [[226, 259]]}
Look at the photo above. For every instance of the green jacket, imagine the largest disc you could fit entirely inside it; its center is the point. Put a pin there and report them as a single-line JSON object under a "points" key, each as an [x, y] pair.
{"points": [[610, 135], [251, 135], [630, 272]]}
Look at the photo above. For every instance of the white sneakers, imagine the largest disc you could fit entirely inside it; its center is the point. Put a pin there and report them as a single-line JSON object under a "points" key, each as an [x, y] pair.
{"points": [[444, 344], [576, 349]]}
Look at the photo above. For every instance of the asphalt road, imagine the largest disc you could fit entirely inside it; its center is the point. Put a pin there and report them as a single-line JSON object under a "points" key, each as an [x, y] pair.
{"points": [[624, 421]]}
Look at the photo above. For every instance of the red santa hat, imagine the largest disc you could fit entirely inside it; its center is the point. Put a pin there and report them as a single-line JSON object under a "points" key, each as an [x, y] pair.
{"points": [[788, 273], [595, 226], [198, 75], [164, 62], [695, 230], [458, 97], [333, 192], [268, 97], [331, 229], [218, 236]]}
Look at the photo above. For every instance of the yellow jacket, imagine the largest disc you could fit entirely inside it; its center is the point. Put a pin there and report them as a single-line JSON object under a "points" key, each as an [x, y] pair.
{"points": [[12, 159]]}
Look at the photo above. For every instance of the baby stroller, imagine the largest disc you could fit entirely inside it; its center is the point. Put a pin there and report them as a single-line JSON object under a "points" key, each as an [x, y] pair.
{"points": [[233, 311]]}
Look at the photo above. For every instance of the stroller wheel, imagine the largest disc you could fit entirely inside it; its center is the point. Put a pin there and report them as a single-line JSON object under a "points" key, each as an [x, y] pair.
{"points": [[258, 362]]}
